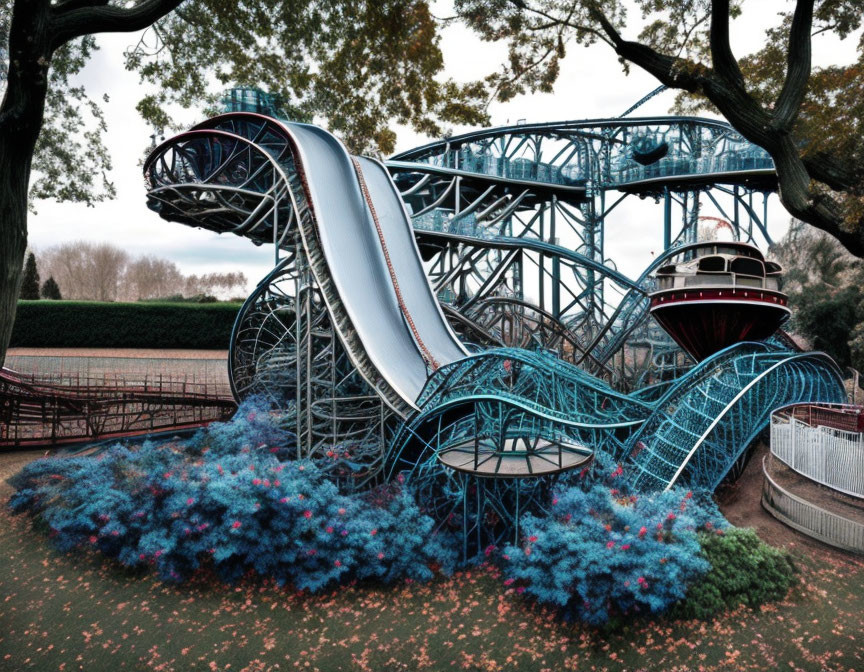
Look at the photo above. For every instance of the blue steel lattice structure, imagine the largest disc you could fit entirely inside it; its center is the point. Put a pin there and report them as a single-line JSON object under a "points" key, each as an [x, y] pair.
{"points": [[348, 339], [560, 183]]}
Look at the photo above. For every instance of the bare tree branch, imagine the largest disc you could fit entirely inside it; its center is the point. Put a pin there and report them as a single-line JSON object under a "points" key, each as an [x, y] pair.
{"points": [[554, 20], [689, 32], [516, 76], [679, 73]]}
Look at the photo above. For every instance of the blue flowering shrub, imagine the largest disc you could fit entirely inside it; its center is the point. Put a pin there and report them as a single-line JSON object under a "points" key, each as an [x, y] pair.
{"points": [[235, 499], [602, 553], [232, 498]]}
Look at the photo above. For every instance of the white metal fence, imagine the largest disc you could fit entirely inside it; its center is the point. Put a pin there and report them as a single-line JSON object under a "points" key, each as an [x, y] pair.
{"points": [[810, 519], [823, 453]]}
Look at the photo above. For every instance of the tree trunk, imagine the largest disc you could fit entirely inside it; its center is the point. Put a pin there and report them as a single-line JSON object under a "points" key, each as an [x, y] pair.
{"points": [[21, 114], [14, 178]]}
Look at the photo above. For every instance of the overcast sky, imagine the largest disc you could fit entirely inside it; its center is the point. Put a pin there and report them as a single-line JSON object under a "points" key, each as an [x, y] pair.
{"points": [[592, 85]]}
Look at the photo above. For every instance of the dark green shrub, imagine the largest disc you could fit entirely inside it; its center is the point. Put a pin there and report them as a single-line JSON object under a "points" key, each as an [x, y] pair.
{"points": [[197, 298], [744, 570], [51, 290], [89, 324]]}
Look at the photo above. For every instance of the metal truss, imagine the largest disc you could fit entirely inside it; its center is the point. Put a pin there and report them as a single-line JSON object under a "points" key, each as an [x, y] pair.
{"points": [[285, 344], [223, 182], [559, 183], [44, 410], [481, 512], [489, 433], [704, 421], [693, 430], [284, 349]]}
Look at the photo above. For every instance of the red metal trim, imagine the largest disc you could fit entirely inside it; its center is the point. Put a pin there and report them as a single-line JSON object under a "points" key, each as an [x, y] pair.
{"points": [[732, 295], [43, 442], [845, 417]]}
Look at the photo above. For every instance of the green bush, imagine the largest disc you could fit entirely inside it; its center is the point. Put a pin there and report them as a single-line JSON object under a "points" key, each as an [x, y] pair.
{"points": [[88, 324], [744, 570]]}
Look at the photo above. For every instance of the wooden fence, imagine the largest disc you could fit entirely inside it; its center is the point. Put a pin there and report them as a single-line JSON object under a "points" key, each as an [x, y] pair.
{"points": [[40, 410]]}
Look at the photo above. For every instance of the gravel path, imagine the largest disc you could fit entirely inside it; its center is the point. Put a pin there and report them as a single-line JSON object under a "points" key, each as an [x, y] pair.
{"points": [[194, 365], [125, 353]]}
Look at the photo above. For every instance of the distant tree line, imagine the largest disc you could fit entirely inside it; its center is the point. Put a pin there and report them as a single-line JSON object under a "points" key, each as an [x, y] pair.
{"points": [[103, 272]]}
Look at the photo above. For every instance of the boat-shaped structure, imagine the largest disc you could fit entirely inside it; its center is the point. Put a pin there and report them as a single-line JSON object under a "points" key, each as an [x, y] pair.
{"points": [[715, 294]]}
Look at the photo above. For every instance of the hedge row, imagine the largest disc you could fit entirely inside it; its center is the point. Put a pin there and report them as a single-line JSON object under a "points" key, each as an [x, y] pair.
{"points": [[78, 324]]}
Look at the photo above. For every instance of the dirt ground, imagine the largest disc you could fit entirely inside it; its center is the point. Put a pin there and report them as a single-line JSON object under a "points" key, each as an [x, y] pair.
{"points": [[124, 353], [77, 611], [741, 503], [210, 366]]}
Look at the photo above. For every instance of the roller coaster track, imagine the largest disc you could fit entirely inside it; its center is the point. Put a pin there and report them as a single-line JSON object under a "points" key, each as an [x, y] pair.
{"points": [[548, 332], [360, 253], [630, 313], [705, 421], [692, 432], [533, 245], [255, 141], [492, 151], [290, 147], [179, 177]]}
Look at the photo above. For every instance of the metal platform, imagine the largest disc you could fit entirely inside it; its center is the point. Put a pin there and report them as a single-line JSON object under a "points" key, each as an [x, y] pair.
{"points": [[521, 457]]}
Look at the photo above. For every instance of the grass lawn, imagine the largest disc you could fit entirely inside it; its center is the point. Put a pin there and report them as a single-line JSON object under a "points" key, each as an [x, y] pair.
{"points": [[74, 612]]}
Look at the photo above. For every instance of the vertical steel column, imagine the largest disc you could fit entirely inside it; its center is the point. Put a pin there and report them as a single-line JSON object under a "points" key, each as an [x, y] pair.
{"points": [[298, 340], [750, 213], [276, 231], [735, 212], [518, 283], [333, 341], [556, 263], [667, 219], [600, 252], [542, 259]]}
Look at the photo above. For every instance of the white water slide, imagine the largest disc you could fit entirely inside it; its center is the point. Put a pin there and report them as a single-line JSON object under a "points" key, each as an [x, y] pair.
{"points": [[373, 261]]}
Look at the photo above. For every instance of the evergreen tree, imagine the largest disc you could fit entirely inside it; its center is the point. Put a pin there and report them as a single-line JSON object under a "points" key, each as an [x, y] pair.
{"points": [[51, 290], [30, 281]]}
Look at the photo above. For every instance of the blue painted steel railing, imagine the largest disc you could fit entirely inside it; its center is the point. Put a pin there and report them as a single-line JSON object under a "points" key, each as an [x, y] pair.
{"points": [[691, 147], [624, 172], [704, 422], [692, 430]]}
